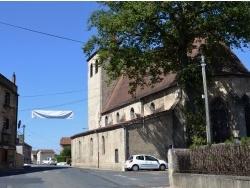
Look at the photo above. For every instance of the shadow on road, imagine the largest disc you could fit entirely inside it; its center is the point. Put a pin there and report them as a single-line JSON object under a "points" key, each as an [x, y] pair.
{"points": [[30, 169]]}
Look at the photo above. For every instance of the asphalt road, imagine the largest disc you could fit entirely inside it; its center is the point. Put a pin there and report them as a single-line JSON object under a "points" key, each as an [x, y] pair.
{"points": [[38, 176]]}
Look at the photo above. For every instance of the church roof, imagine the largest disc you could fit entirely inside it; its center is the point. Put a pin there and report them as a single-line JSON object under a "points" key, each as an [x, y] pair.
{"points": [[120, 95], [65, 141], [224, 60], [231, 65]]}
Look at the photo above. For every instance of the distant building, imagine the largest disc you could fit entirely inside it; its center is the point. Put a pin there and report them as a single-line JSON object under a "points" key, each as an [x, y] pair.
{"points": [[42, 154], [34, 156], [64, 142], [24, 149], [8, 121]]}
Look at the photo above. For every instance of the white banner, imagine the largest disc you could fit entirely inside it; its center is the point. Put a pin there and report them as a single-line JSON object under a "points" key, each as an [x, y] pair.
{"points": [[52, 114]]}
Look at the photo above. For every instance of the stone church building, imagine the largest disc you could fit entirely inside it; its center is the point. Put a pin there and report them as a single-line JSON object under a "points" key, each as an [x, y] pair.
{"points": [[121, 125]]}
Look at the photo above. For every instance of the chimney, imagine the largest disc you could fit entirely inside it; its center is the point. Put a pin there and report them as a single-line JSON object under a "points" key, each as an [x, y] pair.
{"points": [[21, 137], [14, 78]]}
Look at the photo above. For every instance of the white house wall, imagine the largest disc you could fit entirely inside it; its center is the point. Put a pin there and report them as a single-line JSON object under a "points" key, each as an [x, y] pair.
{"points": [[41, 156]]}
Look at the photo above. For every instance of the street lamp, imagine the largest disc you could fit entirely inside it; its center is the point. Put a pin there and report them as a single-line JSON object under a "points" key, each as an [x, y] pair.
{"points": [[208, 129]]}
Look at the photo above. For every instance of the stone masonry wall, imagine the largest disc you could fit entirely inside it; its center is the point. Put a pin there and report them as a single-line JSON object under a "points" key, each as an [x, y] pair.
{"points": [[97, 150], [231, 89], [153, 137]]}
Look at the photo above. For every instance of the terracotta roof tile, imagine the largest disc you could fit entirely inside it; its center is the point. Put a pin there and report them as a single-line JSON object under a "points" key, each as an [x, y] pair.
{"points": [[120, 95], [65, 141], [225, 61]]}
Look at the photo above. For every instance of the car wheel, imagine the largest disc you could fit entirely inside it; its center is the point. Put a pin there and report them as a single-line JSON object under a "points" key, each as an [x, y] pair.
{"points": [[162, 167], [135, 168]]}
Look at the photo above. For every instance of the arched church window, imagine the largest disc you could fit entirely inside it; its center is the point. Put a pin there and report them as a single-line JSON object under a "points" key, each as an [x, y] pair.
{"points": [[103, 145], [116, 156], [96, 66], [152, 108], [117, 117], [91, 70], [91, 146], [132, 113], [220, 128], [79, 149], [106, 120]]}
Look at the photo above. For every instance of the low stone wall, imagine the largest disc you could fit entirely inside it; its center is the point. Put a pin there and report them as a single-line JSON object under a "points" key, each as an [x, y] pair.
{"points": [[189, 180], [173, 166]]}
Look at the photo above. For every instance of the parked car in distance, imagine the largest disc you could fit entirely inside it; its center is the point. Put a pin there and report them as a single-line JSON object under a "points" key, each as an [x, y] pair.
{"points": [[147, 162], [49, 161]]}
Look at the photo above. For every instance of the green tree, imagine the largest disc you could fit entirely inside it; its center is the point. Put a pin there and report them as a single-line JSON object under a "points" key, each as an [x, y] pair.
{"points": [[66, 151], [153, 39]]}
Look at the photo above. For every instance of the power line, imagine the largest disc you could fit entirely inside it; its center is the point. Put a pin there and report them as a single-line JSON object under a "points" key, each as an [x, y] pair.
{"points": [[34, 31], [43, 137], [56, 105], [64, 104], [66, 92], [62, 93]]}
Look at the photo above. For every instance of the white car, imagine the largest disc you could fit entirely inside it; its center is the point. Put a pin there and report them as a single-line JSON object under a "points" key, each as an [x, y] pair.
{"points": [[137, 162], [49, 161]]}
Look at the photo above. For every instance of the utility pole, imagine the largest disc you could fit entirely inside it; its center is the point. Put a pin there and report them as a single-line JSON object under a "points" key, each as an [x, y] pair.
{"points": [[23, 132], [208, 129]]}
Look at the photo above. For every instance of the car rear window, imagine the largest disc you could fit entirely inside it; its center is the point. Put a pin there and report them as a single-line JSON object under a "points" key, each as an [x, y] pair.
{"points": [[130, 157]]}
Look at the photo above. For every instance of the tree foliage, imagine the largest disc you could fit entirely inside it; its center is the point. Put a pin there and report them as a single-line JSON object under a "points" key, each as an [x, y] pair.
{"points": [[154, 38], [66, 151]]}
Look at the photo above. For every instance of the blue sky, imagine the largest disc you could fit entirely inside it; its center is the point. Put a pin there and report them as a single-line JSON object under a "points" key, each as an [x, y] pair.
{"points": [[50, 71], [46, 65]]}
